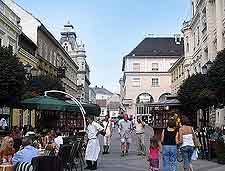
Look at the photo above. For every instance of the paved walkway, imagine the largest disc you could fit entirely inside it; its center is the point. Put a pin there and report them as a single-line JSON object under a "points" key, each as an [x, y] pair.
{"points": [[132, 162]]}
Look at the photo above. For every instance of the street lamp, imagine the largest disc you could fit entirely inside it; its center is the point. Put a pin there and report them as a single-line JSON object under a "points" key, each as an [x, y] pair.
{"points": [[209, 64], [204, 69], [28, 68]]}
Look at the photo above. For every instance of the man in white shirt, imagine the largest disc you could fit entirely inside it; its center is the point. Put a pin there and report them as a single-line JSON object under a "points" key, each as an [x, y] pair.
{"points": [[108, 133], [140, 125], [93, 146], [125, 130]]}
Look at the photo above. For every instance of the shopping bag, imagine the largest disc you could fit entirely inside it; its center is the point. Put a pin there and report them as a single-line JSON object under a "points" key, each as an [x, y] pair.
{"points": [[195, 155]]}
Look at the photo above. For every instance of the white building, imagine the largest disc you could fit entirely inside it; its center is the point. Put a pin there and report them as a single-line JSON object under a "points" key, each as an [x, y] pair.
{"points": [[204, 37], [114, 106], [145, 73], [78, 54], [102, 95]]}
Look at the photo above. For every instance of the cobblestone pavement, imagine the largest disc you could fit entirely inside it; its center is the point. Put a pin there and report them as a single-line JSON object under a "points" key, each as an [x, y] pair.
{"points": [[132, 162]]}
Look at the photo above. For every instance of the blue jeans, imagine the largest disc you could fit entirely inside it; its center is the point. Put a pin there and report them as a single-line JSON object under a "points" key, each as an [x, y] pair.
{"points": [[169, 158], [187, 152]]}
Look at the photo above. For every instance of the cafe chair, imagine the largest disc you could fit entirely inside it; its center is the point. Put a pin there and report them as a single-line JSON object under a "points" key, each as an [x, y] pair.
{"points": [[47, 163], [64, 154], [23, 166]]}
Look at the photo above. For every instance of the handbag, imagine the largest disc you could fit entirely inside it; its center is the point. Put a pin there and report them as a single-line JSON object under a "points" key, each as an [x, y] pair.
{"points": [[195, 139], [195, 155]]}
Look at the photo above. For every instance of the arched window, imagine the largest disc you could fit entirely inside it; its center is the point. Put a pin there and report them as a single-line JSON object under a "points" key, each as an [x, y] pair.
{"points": [[163, 97], [144, 98]]}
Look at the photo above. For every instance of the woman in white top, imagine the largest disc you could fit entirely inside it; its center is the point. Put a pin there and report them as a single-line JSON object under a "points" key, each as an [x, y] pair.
{"points": [[186, 141]]}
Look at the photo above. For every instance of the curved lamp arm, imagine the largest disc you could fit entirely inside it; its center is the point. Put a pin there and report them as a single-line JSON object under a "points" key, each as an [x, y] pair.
{"points": [[83, 112]]}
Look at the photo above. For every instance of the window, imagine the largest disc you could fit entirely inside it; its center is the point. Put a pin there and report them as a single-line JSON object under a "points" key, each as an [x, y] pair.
{"points": [[11, 48], [194, 41], [198, 36], [155, 66], [136, 67], [155, 82], [187, 40], [136, 82]]}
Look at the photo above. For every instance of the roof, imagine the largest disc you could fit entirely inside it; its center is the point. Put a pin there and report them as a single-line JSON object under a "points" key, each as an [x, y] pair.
{"points": [[102, 91], [101, 103], [159, 46], [114, 105]]}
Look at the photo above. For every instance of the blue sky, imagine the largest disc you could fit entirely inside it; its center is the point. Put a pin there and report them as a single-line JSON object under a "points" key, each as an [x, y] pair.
{"points": [[110, 28]]}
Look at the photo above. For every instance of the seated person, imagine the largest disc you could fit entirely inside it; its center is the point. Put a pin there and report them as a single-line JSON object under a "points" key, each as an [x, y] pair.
{"points": [[59, 139], [7, 151], [26, 153]]}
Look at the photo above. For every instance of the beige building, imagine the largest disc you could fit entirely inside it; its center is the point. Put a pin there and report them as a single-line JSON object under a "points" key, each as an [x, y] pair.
{"points": [[10, 28], [145, 73], [51, 56], [204, 37], [78, 54], [177, 75]]}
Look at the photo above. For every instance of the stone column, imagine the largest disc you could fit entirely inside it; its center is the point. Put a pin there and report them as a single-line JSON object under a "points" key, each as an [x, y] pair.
{"points": [[219, 25], [211, 22]]}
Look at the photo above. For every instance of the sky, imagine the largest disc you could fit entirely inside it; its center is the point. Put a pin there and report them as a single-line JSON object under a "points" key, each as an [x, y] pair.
{"points": [[110, 29]]}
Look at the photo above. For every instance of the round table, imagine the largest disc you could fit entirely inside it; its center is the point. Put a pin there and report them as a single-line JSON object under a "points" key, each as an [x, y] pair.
{"points": [[6, 167]]}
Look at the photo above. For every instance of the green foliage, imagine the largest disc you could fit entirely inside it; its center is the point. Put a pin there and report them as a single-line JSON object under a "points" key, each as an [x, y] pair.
{"points": [[12, 78], [216, 78], [201, 91], [43, 83], [194, 93]]}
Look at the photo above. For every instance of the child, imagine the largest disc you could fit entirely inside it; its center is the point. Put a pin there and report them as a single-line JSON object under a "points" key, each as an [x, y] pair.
{"points": [[154, 155]]}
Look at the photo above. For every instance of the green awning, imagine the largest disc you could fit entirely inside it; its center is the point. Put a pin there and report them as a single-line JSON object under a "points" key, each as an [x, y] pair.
{"points": [[51, 103]]}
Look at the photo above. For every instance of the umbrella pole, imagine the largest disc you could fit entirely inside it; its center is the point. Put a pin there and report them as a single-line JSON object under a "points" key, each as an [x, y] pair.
{"points": [[83, 112]]}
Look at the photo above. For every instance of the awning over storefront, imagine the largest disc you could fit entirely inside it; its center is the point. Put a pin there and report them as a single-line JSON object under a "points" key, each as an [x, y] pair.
{"points": [[54, 104]]}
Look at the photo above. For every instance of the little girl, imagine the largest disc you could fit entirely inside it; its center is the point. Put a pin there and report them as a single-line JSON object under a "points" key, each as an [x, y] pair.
{"points": [[153, 156]]}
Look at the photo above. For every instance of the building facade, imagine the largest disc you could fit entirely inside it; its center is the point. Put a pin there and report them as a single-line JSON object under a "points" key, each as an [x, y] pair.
{"points": [[92, 96], [177, 75], [145, 73], [78, 54], [10, 31], [10, 28], [102, 96], [52, 58], [114, 106], [204, 37]]}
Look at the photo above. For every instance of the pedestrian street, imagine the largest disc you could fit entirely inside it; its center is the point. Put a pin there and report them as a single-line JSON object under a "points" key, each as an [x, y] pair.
{"points": [[132, 162]]}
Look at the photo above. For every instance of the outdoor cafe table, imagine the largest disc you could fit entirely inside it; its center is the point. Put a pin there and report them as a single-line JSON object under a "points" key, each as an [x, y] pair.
{"points": [[6, 167]]}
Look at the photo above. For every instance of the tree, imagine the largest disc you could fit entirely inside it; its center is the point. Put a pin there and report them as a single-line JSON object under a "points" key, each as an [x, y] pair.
{"points": [[194, 94], [216, 78], [43, 83], [12, 78]]}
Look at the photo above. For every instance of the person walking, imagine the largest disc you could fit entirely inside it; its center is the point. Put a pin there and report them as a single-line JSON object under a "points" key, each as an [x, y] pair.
{"points": [[169, 139], [125, 130], [139, 126], [153, 157], [93, 146], [108, 133], [186, 140]]}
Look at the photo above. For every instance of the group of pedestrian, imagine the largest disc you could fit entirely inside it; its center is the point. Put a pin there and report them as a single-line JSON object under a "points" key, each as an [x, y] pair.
{"points": [[175, 135]]}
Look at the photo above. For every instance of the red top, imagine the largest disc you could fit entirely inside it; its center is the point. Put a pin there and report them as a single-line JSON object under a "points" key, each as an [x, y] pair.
{"points": [[154, 153]]}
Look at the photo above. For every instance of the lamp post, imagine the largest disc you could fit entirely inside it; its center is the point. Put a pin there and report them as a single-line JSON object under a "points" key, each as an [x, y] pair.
{"points": [[204, 69], [30, 73]]}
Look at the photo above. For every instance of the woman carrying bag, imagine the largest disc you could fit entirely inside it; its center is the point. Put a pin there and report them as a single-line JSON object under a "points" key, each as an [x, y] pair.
{"points": [[187, 140]]}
